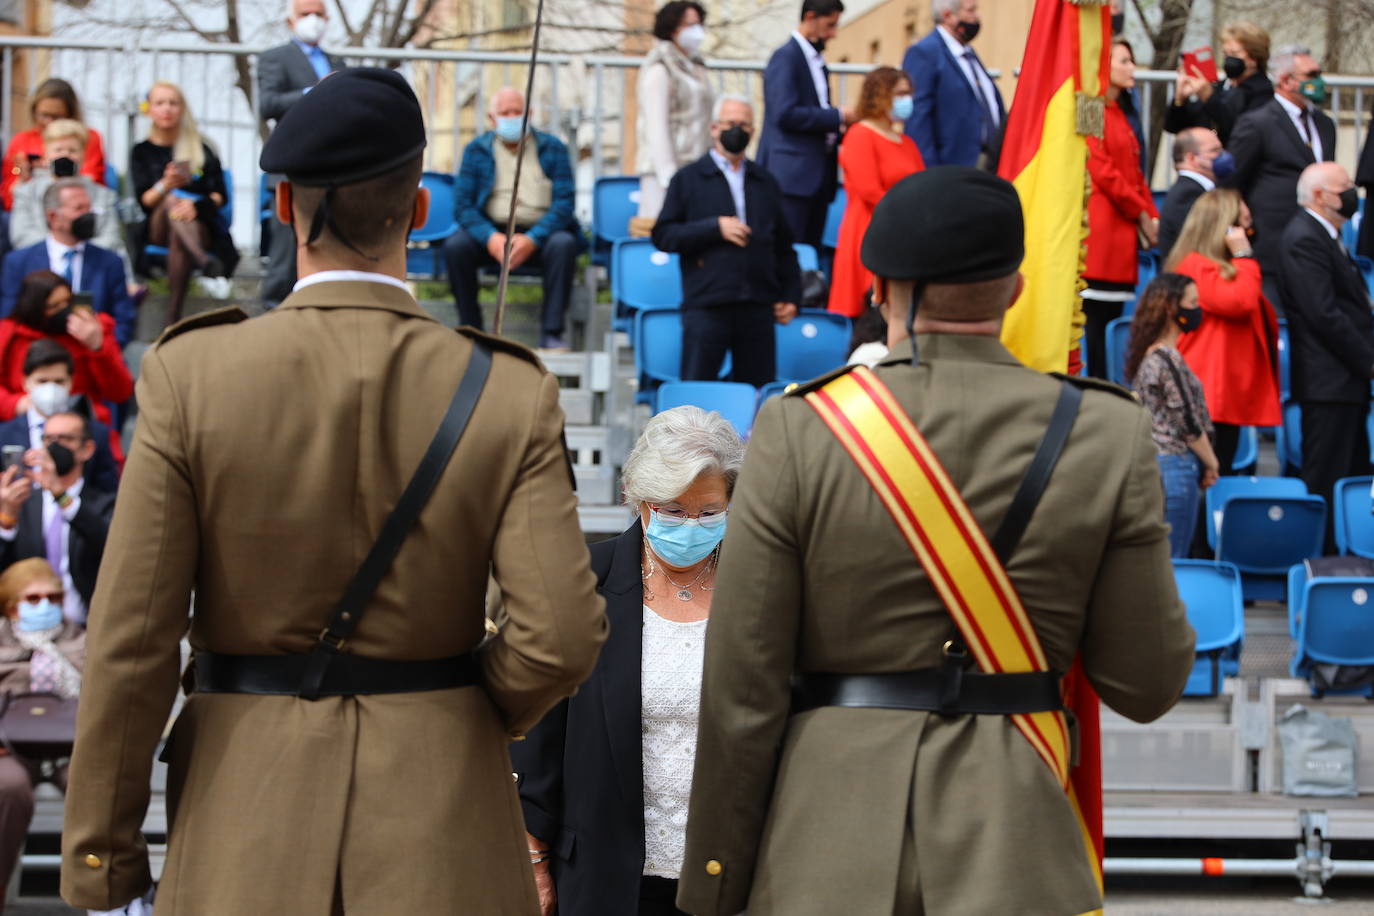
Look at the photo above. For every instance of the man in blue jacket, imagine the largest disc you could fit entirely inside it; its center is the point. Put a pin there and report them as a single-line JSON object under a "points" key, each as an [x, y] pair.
{"points": [[724, 217], [801, 129], [958, 116], [546, 234]]}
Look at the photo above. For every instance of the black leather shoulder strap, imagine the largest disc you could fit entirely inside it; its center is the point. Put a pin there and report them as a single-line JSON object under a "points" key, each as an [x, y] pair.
{"points": [[1037, 477], [349, 611]]}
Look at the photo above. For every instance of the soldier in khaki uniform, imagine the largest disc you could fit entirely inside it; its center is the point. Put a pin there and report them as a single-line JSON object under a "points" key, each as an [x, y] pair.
{"points": [[871, 811], [268, 455]]}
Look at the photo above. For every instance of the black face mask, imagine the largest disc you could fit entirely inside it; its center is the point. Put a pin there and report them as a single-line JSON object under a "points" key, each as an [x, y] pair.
{"points": [[1350, 203], [966, 31], [1233, 67], [83, 227], [63, 459], [1118, 23], [56, 323], [1189, 319], [734, 140], [64, 167]]}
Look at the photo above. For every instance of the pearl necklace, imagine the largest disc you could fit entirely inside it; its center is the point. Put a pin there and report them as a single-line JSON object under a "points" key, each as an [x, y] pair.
{"points": [[684, 592]]}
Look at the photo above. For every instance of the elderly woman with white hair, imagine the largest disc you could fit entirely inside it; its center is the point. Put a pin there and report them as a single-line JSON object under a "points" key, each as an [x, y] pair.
{"points": [[604, 778]]}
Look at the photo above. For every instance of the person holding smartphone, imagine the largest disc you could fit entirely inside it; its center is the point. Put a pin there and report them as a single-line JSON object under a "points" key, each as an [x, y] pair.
{"points": [[53, 100], [1199, 102]]}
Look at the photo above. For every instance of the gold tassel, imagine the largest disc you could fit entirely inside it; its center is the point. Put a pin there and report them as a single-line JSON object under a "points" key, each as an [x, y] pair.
{"points": [[1091, 2], [1089, 114]]}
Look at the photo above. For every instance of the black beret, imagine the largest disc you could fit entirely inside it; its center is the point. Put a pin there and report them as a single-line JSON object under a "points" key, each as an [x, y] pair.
{"points": [[353, 125], [947, 224]]}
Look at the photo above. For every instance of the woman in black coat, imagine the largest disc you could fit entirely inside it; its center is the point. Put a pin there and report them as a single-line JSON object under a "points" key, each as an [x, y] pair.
{"points": [[604, 778], [1198, 103]]}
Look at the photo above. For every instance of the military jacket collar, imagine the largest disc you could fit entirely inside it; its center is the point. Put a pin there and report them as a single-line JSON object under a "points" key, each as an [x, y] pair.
{"points": [[356, 294], [976, 348]]}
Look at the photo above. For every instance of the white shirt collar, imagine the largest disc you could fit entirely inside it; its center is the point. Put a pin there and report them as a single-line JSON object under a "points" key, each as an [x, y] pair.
{"points": [[956, 47], [1330, 229], [724, 164], [1207, 183], [348, 276], [56, 249], [1294, 111], [807, 48]]}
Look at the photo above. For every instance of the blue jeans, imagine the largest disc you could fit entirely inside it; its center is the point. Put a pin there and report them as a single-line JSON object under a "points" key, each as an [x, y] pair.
{"points": [[1181, 492]]}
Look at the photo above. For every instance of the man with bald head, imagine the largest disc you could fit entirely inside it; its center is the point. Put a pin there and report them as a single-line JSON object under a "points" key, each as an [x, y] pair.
{"points": [[545, 236], [1201, 163], [1330, 329]]}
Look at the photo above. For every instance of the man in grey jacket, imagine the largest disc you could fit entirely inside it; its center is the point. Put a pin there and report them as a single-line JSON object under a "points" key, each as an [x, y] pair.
{"points": [[285, 74]]}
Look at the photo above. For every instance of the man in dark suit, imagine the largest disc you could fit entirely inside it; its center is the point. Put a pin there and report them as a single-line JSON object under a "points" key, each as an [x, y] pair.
{"points": [[1196, 150], [959, 114], [1272, 145], [724, 216], [1364, 177], [47, 387], [1330, 329], [801, 129], [59, 517], [67, 252], [285, 74]]}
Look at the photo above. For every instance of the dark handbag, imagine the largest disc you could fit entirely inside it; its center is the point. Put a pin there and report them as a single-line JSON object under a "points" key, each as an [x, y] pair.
{"points": [[37, 726]]}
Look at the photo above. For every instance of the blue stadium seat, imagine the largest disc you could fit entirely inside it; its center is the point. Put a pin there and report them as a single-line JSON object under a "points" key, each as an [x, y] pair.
{"points": [[1227, 487], [644, 278], [1354, 522], [1247, 449], [657, 342], [424, 253], [1288, 439], [615, 199], [112, 178], [1265, 535], [1350, 232], [1118, 334], [1284, 359], [1366, 267], [812, 344], [807, 259], [732, 400], [1336, 627], [1147, 268], [830, 236], [772, 390], [1212, 594]]}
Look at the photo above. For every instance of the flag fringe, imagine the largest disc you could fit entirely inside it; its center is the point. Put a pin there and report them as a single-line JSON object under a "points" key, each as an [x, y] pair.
{"points": [[1089, 114], [1091, 2]]}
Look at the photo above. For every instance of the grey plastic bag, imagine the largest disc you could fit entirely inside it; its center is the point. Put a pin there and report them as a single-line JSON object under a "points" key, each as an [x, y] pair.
{"points": [[1318, 753]]}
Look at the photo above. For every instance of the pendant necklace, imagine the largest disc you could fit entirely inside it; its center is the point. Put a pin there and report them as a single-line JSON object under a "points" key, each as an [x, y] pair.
{"points": [[684, 592]]}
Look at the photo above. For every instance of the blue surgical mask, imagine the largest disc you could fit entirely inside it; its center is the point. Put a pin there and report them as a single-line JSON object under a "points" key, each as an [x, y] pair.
{"points": [[1224, 166], [902, 106], [39, 615], [682, 545], [508, 129]]}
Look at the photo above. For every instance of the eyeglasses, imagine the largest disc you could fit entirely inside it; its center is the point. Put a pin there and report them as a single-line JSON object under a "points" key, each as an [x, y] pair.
{"points": [[39, 596], [71, 439], [673, 517]]}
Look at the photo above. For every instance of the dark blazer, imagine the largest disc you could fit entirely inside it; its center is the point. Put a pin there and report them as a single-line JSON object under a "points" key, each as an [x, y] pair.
{"points": [[85, 540], [580, 771], [1177, 203], [793, 145], [947, 120], [1329, 323], [102, 275], [1270, 155], [102, 472], [1364, 177], [284, 73], [717, 272], [1222, 109]]}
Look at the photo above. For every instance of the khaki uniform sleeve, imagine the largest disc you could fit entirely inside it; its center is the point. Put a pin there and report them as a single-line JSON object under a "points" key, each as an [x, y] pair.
{"points": [[745, 695], [555, 621], [1138, 644], [138, 616]]}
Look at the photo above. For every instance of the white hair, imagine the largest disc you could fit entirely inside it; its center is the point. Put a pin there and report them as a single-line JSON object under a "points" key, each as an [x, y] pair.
{"points": [[676, 447], [1284, 59], [1313, 178], [730, 97], [939, 7]]}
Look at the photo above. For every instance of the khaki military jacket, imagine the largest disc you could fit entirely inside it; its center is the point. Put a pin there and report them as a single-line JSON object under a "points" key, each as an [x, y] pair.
{"points": [[871, 812], [267, 455]]}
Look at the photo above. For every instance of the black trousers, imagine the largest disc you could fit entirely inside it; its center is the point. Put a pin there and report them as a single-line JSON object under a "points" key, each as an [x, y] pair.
{"points": [[1334, 445], [806, 216], [1225, 444], [464, 256], [658, 896], [1098, 314], [745, 330]]}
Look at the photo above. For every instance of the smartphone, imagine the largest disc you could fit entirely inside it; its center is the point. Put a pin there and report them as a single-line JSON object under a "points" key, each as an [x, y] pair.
{"points": [[84, 301], [1199, 62], [35, 158], [184, 167], [11, 455]]}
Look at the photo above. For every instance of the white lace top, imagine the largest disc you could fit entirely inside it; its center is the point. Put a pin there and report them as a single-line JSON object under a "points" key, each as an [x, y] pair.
{"points": [[670, 691]]}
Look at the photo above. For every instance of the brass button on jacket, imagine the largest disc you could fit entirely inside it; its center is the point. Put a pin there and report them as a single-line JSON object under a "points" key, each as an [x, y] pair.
{"points": [[93, 860], [713, 867]]}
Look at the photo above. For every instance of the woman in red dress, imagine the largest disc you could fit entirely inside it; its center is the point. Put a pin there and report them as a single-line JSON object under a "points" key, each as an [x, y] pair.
{"points": [[54, 100], [1120, 209], [875, 155]]}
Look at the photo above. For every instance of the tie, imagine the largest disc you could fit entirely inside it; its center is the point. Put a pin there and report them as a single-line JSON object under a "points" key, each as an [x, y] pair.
{"points": [[1306, 118], [67, 257], [989, 117], [52, 540], [825, 79]]}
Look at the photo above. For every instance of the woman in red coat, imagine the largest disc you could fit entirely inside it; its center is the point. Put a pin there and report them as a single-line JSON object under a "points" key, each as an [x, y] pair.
{"points": [[875, 155], [1120, 208], [44, 309], [54, 100], [1235, 351]]}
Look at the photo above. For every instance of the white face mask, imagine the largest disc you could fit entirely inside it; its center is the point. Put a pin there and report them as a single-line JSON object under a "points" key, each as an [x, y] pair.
{"points": [[310, 29], [690, 39], [49, 398]]}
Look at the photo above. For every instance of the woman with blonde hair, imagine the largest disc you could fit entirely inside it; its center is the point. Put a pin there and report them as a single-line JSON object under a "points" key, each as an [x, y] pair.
{"points": [[1235, 352], [1199, 103], [180, 185]]}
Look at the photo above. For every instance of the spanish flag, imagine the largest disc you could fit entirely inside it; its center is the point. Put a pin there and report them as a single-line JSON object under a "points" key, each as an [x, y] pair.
{"points": [[1059, 103]]}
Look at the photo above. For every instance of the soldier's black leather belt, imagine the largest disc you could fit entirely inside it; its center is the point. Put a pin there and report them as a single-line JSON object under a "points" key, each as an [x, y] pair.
{"points": [[948, 690], [347, 674]]}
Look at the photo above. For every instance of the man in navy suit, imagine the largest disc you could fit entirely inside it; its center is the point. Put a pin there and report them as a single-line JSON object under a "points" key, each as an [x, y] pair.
{"points": [[67, 253], [801, 129], [958, 116]]}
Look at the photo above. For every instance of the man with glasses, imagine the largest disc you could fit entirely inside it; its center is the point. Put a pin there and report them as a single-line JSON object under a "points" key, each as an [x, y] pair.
{"points": [[723, 215], [48, 509]]}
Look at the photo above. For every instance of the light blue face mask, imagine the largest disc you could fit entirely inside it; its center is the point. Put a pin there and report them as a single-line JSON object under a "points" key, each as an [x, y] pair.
{"points": [[508, 129], [39, 615], [682, 545], [902, 106]]}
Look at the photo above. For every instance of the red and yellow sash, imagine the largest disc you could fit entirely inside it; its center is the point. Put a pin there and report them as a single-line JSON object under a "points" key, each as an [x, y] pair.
{"points": [[956, 555]]}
